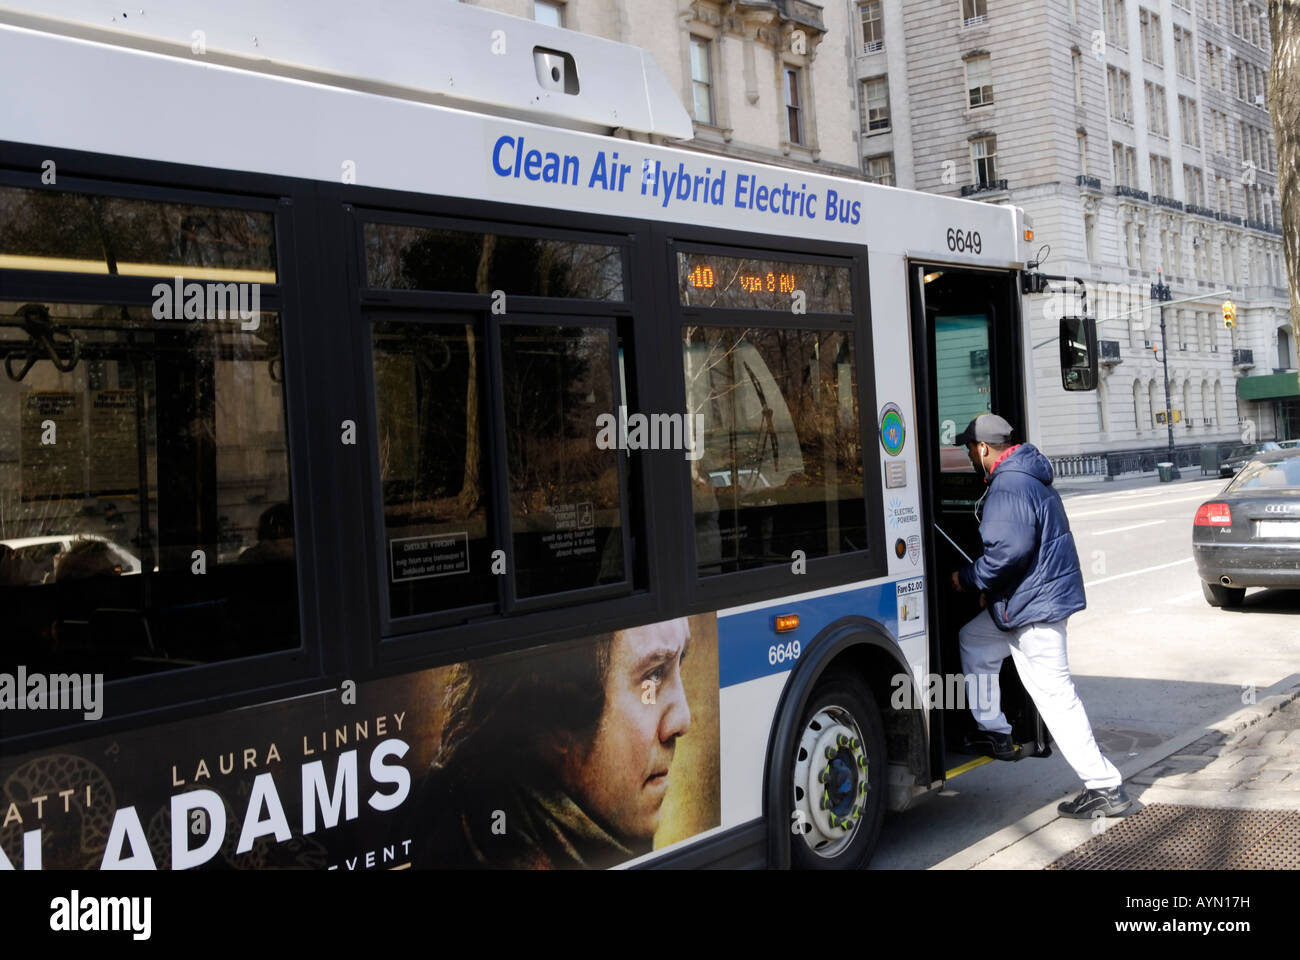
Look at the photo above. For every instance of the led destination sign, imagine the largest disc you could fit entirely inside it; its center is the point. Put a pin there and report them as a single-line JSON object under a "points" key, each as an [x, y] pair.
{"points": [[711, 280]]}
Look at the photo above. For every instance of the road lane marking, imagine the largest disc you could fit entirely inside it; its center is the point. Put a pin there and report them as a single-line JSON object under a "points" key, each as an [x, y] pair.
{"points": [[1134, 573], [1134, 506], [1185, 596], [1133, 526]]}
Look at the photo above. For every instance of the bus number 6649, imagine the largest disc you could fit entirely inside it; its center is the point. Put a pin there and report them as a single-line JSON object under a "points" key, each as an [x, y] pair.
{"points": [[781, 652], [961, 242]]}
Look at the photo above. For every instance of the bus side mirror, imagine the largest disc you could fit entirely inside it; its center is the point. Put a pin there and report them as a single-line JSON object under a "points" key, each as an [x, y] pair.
{"points": [[1078, 353]]}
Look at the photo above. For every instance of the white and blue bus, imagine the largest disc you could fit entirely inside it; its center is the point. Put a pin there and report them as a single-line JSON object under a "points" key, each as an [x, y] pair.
{"points": [[407, 458]]}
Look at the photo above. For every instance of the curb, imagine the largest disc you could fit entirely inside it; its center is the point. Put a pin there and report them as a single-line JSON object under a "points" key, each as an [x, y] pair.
{"points": [[1288, 690]]}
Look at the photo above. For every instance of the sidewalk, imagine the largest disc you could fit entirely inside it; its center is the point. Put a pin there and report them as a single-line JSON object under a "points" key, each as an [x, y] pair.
{"points": [[1247, 762]]}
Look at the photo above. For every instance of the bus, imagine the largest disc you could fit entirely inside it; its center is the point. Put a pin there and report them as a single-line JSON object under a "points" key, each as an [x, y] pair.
{"points": [[414, 454]]}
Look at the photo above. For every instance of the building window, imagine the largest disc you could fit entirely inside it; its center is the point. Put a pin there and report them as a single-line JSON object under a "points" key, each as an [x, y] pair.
{"points": [[1189, 122], [1193, 185], [984, 161], [979, 80], [974, 11], [1149, 26], [1076, 62], [1157, 118], [875, 104], [1090, 236], [1121, 94], [1217, 121], [1083, 152], [702, 79], [549, 12], [881, 169], [873, 27], [1161, 176], [1184, 56], [794, 104], [1116, 23], [1125, 162]]}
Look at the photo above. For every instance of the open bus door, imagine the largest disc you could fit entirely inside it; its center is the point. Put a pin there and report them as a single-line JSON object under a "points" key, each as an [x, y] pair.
{"points": [[968, 357]]}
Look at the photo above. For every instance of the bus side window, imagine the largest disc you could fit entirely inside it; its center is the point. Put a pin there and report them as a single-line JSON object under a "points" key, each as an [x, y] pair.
{"points": [[433, 474], [781, 467], [145, 514], [566, 494]]}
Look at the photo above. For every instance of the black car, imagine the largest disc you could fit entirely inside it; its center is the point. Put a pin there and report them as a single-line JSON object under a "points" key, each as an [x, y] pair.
{"points": [[1249, 535], [1239, 456]]}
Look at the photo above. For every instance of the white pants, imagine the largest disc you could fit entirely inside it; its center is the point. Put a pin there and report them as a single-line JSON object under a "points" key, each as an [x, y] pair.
{"points": [[1039, 654]]}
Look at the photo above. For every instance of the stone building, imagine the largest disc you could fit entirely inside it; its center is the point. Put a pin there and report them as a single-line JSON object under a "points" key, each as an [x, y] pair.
{"points": [[1137, 136]]}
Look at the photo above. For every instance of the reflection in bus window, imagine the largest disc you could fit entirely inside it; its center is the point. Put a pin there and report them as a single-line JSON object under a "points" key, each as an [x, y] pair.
{"points": [[962, 376], [460, 261], [565, 497], [133, 484], [782, 463], [48, 229], [431, 467]]}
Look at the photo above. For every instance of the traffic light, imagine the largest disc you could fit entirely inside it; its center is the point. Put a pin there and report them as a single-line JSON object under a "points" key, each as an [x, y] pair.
{"points": [[1229, 314]]}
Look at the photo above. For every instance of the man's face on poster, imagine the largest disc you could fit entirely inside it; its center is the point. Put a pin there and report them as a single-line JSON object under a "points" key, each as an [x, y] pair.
{"points": [[621, 778]]}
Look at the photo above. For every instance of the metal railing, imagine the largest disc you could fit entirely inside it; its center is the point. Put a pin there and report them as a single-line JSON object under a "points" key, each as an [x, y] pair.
{"points": [[990, 187], [1167, 202], [1243, 358], [1087, 465], [1083, 180], [1108, 351], [1134, 192]]}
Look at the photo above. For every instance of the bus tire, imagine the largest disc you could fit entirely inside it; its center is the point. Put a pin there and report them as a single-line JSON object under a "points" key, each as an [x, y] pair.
{"points": [[838, 777]]}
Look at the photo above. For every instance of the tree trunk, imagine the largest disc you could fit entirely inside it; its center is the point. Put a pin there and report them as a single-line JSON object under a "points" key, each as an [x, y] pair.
{"points": [[1284, 105], [471, 489]]}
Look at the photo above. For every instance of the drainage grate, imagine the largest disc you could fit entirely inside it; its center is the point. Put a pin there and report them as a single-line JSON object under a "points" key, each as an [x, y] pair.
{"points": [[1166, 836]]}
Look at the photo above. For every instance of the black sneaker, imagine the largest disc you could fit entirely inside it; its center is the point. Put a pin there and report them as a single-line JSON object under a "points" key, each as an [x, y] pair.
{"points": [[997, 745], [1104, 802]]}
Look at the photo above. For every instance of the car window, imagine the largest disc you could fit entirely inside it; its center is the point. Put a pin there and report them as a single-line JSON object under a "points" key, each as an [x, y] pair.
{"points": [[1279, 474]]}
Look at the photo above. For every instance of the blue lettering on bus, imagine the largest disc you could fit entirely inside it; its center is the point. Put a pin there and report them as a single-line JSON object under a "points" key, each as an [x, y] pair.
{"points": [[513, 158], [548, 167]]}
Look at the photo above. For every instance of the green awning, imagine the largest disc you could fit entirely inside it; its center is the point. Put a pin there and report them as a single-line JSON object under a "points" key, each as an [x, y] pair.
{"points": [[1270, 386]]}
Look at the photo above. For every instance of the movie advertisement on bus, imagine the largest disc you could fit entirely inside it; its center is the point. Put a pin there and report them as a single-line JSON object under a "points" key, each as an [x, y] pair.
{"points": [[585, 754]]}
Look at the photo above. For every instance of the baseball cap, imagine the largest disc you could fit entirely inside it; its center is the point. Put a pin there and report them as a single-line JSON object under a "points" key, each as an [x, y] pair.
{"points": [[986, 428]]}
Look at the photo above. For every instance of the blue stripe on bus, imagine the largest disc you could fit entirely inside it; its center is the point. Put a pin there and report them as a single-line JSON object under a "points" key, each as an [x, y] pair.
{"points": [[748, 642]]}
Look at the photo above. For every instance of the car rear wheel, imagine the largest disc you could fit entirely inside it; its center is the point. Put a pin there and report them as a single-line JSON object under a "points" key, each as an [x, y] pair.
{"points": [[839, 783], [1220, 596]]}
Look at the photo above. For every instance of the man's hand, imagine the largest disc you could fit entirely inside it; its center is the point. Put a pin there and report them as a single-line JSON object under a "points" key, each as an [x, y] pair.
{"points": [[983, 600], [956, 582]]}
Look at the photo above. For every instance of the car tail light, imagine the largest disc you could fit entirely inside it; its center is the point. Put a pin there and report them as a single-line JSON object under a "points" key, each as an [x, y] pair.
{"points": [[1213, 515]]}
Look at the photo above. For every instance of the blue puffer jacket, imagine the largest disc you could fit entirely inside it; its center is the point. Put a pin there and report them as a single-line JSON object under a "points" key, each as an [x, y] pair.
{"points": [[1030, 568]]}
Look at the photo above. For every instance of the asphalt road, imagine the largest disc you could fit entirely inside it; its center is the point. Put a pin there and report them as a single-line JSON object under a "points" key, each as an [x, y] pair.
{"points": [[1150, 659]]}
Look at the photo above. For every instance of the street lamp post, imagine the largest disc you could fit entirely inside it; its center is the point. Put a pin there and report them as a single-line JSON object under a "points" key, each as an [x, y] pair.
{"points": [[1160, 293]]}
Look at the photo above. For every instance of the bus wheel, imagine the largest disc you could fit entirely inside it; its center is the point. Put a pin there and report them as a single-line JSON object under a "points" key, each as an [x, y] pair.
{"points": [[839, 783]]}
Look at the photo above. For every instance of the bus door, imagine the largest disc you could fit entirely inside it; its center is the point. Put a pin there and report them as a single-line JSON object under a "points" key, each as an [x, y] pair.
{"points": [[968, 360]]}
